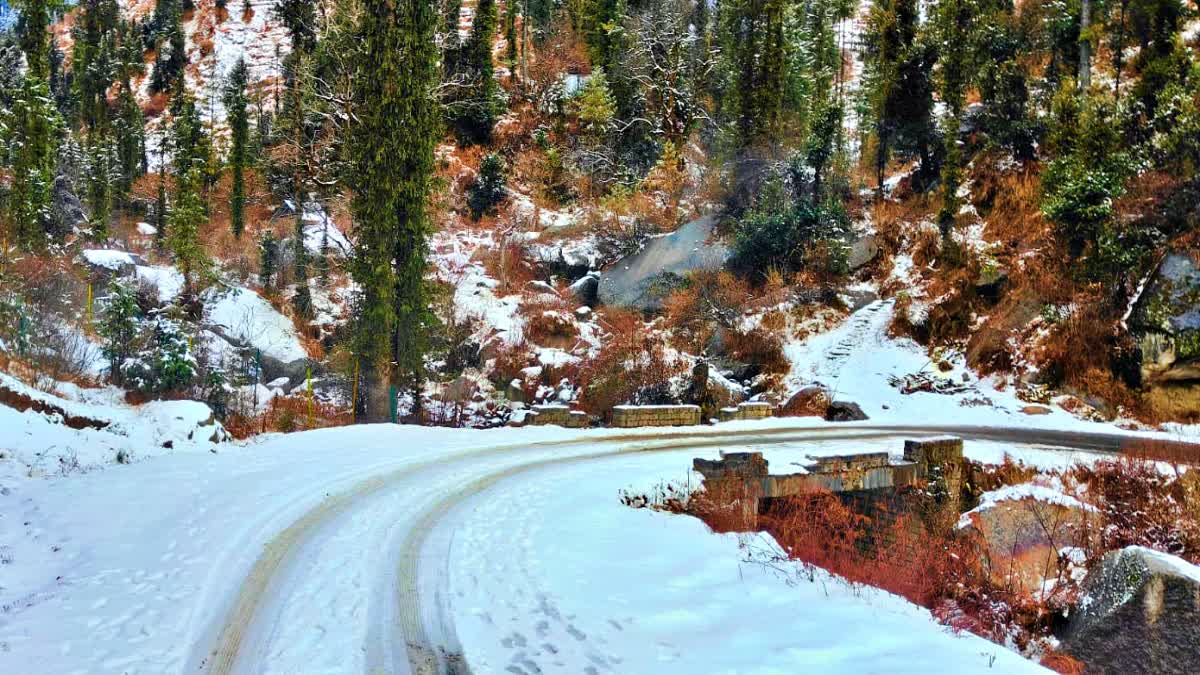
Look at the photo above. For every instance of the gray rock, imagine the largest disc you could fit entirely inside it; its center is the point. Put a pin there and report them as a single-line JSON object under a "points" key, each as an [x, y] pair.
{"points": [[863, 252], [69, 215], [643, 279], [1171, 301], [1165, 327], [587, 289], [845, 411], [1140, 613], [515, 393]]}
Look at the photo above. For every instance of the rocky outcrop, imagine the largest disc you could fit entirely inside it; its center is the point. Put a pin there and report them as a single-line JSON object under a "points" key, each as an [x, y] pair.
{"points": [[1021, 531], [1166, 325], [1139, 613], [811, 401], [645, 278], [69, 215], [844, 411]]}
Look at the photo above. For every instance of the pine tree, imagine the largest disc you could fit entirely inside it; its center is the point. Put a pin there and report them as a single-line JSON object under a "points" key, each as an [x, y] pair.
{"points": [[394, 135], [130, 123], [268, 258], [756, 48], [902, 87], [94, 59], [171, 47], [511, 12], [601, 22], [236, 104], [299, 17], [118, 327], [476, 111], [30, 131], [103, 180], [954, 26], [183, 237]]}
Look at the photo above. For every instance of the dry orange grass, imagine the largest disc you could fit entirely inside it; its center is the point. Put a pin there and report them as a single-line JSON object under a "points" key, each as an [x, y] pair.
{"points": [[550, 324], [1010, 202], [288, 414], [241, 254]]}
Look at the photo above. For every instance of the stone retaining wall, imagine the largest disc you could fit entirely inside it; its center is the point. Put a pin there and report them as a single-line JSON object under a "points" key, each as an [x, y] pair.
{"points": [[559, 415], [630, 416], [756, 410]]}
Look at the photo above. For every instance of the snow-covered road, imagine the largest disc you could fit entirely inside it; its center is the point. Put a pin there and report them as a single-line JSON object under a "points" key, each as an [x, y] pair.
{"points": [[336, 552]]}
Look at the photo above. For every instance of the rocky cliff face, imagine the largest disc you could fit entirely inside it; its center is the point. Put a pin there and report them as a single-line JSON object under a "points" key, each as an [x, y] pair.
{"points": [[1166, 323], [1139, 614]]}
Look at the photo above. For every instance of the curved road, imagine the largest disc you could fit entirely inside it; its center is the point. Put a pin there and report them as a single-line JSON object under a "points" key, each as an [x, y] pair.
{"points": [[408, 627]]}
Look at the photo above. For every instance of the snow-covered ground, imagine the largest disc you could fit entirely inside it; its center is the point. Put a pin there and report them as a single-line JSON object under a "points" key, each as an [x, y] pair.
{"points": [[547, 577], [298, 550], [857, 359]]}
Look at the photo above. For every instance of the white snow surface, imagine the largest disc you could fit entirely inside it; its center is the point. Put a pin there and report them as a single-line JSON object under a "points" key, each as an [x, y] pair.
{"points": [[133, 569], [855, 360], [108, 258], [1174, 563], [167, 280], [247, 317], [37, 445], [574, 585], [1015, 493]]}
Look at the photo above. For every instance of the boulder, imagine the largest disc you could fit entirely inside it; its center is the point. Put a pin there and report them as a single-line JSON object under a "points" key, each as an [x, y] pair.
{"points": [[1166, 326], [69, 215], [811, 401], [1022, 529], [863, 252], [515, 393], [587, 289], [644, 279], [845, 411], [1139, 613]]}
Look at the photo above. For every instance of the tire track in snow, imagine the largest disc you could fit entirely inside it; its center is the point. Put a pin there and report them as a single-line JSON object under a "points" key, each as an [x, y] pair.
{"points": [[407, 639], [222, 652], [427, 627]]}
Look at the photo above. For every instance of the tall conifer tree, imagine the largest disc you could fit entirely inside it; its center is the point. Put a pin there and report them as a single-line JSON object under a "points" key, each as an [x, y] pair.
{"points": [[394, 138], [31, 130], [236, 104]]}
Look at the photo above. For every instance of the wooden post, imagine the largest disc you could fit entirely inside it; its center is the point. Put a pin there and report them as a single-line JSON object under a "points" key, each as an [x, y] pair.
{"points": [[354, 395], [310, 397]]}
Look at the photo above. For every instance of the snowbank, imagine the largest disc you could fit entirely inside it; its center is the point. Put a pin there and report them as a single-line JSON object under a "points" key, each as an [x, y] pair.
{"points": [[583, 584], [244, 316], [109, 259]]}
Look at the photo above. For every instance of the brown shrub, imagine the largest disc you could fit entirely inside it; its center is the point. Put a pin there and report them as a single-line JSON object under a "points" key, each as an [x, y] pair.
{"points": [[155, 104], [550, 324], [510, 360], [287, 414], [1141, 505], [709, 300], [760, 347], [1063, 663], [631, 367]]}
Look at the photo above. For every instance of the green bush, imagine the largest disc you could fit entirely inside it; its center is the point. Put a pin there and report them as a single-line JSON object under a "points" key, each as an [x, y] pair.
{"points": [[803, 235], [488, 189]]}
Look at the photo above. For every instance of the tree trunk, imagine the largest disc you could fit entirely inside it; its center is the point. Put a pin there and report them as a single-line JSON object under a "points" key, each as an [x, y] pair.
{"points": [[1085, 47], [377, 386]]}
